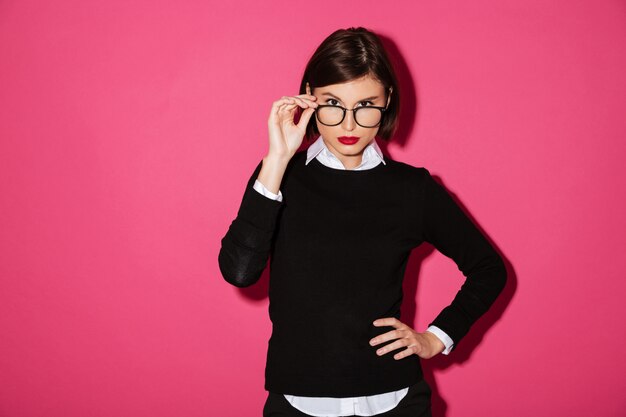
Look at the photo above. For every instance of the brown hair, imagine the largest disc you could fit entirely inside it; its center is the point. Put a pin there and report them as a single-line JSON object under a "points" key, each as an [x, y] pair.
{"points": [[349, 54]]}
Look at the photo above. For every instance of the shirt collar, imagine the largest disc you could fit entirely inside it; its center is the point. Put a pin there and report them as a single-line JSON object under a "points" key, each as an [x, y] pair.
{"points": [[372, 150]]}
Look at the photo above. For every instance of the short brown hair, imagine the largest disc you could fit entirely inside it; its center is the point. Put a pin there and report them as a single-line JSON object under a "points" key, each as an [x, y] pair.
{"points": [[349, 54]]}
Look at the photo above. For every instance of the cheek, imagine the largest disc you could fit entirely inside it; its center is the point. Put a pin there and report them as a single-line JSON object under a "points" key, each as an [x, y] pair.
{"points": [[369, 133], [327, 131]]}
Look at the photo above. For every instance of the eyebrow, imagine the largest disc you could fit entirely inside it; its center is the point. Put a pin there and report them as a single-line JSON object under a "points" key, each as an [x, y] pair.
{"points": [[363, 99]]}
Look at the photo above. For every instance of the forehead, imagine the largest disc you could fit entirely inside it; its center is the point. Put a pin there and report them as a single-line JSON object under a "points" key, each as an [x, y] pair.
{"points": [[354, 89]]}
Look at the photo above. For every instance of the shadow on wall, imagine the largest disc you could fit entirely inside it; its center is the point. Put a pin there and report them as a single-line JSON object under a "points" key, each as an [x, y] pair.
{"points": [[474, 337], [409, 113]]}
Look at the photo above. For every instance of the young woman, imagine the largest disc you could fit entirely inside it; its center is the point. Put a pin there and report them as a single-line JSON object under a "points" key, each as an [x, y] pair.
{"points": [[338, 222]]}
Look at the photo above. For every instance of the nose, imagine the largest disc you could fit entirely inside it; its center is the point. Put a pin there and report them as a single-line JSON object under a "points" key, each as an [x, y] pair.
{"points": [[348, 122]]}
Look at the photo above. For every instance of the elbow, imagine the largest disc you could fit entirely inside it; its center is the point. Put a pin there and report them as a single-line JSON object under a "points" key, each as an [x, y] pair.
{"points": [[236, 273], [502, 274], [238, 279]]}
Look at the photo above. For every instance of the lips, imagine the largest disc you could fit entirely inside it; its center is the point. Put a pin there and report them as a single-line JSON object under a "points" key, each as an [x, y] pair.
{"points": [[348, 140]]}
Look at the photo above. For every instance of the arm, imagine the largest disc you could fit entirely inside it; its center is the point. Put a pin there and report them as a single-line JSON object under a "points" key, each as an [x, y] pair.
{"points": [[267, 193], [247, 244], [453, 234], [448, 343]]}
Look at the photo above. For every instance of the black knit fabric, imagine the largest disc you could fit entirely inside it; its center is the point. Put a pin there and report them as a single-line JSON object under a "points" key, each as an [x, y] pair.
{"points": [[338, 246]]}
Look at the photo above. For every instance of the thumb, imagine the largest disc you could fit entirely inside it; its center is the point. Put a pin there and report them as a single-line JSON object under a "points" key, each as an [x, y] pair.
{"points": [[305, 117]]}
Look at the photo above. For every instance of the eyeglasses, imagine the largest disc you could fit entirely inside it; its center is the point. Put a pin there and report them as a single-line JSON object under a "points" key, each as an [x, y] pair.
{"points": [[364, 116]]}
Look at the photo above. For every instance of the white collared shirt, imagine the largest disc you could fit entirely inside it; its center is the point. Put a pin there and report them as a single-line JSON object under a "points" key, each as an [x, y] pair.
{"points": [[372, 155], [365, 405]]}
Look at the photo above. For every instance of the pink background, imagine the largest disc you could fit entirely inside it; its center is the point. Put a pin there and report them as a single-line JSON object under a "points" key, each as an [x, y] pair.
{"points": [[129, 128]]}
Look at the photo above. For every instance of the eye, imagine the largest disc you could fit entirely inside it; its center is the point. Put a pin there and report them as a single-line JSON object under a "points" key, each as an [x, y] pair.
{"points": [[334, 102]]}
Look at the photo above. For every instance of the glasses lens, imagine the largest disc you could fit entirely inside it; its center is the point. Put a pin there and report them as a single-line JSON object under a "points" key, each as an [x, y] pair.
{"points": [[367, 117], [329, 115]]}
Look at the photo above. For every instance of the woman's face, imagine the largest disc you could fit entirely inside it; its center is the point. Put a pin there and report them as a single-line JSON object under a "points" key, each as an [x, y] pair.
{"points": [[364, 91]]}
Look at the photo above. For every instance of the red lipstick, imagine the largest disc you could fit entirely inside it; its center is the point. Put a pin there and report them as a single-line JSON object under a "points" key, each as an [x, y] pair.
{"points": [[348, 140]]}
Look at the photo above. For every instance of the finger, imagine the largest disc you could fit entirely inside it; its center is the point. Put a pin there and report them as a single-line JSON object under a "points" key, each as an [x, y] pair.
{"points": [[275, 111], [287, 107], [306, 116], [280, 103], [392, 346], [308, 96], [387, 321], [390, 335], [292, 102], [287, 102], [304, 102], [410, 350]]}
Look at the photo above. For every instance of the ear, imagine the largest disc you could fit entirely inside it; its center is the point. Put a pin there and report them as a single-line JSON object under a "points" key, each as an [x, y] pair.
{"points": [[308, 88]]}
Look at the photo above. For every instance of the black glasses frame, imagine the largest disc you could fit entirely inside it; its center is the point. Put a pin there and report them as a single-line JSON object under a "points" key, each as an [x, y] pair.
{"points": [[382, 113]]}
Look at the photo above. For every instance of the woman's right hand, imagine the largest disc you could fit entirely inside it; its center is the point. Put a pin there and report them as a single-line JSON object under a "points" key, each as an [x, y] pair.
{"points": [[286, 136]]}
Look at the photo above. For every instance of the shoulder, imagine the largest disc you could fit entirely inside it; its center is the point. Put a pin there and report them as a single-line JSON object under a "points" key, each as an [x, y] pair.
{"points": [[299, 156], [411, 172], [297, 161]]}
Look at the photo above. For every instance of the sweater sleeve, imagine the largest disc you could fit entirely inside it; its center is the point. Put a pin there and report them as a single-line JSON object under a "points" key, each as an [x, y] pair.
{"points": [[258, 185], [453, 234], [247, 244]]}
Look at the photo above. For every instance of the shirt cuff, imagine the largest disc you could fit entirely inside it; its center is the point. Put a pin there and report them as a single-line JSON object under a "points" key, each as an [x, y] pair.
{"points": [[443, 336], [267, 193]]}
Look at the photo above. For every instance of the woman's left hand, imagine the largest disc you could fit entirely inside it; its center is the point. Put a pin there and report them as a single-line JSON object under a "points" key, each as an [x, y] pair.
{"points": [[425, 345]]}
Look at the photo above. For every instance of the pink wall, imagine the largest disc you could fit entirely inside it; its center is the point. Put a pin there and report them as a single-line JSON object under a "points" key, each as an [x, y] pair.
{"points": [[128, 130]]}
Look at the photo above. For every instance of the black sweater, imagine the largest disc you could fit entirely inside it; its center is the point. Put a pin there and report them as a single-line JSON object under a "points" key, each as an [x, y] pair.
{"points": [[325, 292]]}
